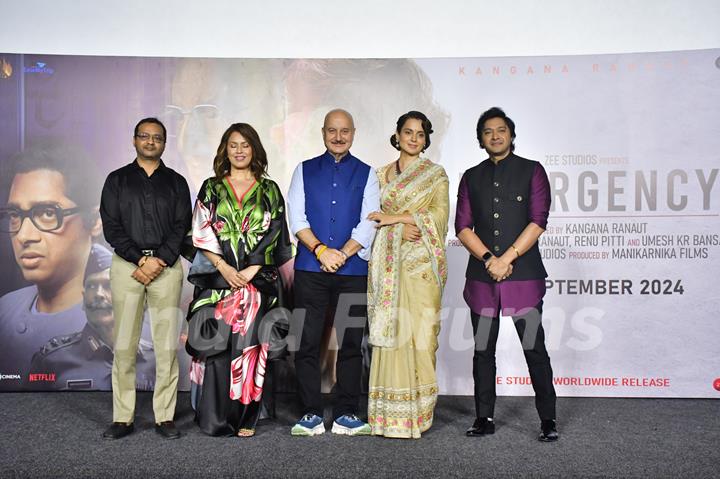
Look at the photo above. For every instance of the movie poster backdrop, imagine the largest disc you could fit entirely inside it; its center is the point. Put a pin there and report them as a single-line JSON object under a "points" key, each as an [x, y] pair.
{"points": [[629, 142]]}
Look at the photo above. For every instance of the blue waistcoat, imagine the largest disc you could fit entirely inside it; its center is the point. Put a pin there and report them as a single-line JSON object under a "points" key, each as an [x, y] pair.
{"points": [[333, 201]]}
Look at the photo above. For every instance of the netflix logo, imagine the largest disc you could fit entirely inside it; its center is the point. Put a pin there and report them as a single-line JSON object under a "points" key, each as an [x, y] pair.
{"points": [[44, 377]]}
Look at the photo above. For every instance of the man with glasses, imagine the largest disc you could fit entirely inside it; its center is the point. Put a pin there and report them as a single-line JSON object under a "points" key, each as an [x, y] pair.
{"points": [[146, 213], [50, 218]]}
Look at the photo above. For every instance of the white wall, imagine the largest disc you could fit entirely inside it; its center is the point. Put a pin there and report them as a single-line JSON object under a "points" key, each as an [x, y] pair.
{"points": [[356, 29]]}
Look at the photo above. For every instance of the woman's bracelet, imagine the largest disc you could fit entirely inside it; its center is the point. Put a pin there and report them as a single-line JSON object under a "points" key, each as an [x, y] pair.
{"points": [[515, 249], [219, 260]]}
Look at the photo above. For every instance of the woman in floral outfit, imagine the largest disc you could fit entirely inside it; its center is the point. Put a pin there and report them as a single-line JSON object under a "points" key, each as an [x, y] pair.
{"points": [[240, 232]]}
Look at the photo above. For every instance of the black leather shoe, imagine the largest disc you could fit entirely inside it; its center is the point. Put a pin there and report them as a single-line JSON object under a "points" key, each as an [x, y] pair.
{"points": [[167, 430], [548, 431], [118, 430], [481, 427]]}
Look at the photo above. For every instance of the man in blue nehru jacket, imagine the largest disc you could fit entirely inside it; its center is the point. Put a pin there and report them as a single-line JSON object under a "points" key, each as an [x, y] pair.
{"points": [[329, 200]]}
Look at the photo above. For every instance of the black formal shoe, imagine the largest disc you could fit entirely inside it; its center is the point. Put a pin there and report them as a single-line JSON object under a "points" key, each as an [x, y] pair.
{"points": [[548, 431], [481, 427], [118, 430], [167, 430]]}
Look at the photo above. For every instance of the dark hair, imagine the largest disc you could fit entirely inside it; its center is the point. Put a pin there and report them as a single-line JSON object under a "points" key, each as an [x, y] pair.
{"points": [[78, 169], [153, 121], [495, 112], [258, 164], [414, 115]]}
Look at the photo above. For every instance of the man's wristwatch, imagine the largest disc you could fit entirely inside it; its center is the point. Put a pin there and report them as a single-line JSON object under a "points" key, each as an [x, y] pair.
{"points": [[486, 257]]}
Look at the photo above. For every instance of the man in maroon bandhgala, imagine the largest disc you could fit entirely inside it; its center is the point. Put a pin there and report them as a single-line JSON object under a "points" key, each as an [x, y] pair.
{"points": [[502, 209]]}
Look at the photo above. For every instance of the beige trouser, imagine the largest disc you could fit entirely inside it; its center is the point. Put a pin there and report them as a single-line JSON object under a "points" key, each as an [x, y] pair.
{"points": [[163, 297]]}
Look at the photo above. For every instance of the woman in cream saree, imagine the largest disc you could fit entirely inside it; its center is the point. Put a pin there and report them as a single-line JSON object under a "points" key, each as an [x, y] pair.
{"points": [[406, 277]]}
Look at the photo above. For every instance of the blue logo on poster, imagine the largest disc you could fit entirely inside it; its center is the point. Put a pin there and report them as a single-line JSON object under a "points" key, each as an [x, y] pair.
{"points": [[40, 67]]}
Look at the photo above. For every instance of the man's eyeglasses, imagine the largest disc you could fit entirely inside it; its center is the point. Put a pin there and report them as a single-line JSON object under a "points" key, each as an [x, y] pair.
{"points": [[147, 136], [45, 217]]}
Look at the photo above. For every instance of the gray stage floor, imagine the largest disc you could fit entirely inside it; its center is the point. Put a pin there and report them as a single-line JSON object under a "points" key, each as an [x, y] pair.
{"points": [[58, 435]]}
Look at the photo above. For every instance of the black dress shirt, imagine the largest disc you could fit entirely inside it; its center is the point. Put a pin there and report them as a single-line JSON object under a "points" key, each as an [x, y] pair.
{"points": [[141, 212]]}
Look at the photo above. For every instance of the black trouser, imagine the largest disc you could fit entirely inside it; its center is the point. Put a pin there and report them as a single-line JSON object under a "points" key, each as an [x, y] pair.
{"points": [[316, 292], [532, 336]]}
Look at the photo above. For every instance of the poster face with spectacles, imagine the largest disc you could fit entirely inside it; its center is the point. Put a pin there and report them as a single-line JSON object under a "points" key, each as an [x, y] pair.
{"points": [[628, 142], [56, 332], [56, 316]]}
